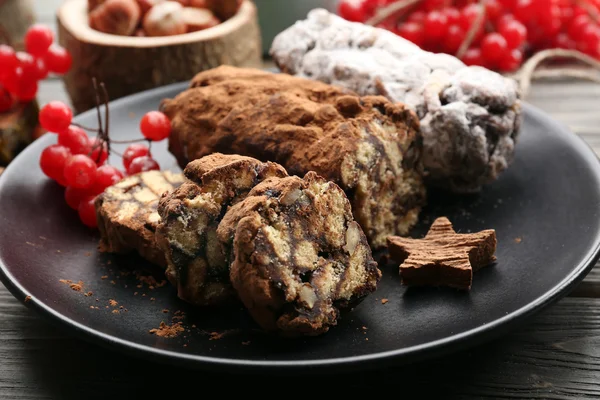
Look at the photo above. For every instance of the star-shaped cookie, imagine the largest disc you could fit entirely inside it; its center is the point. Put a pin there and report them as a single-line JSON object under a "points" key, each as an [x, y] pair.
{"points": [[443, 257]]}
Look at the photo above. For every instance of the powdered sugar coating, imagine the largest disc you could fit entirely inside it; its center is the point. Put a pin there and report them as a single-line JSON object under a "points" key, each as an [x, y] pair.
{"points": [[470, 116]]}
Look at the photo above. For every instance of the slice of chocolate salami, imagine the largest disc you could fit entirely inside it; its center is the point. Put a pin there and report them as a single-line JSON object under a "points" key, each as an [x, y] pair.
{"points": [[198, 265], [127, 214], [299, 258]]}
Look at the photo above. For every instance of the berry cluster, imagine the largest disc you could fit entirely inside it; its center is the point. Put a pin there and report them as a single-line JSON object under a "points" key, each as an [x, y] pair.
{"points": [[21, 71], [510, 31], [78, 162]]}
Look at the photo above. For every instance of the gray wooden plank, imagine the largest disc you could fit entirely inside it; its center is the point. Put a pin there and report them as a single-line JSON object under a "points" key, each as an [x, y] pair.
{"points": [[45, 10], [52, 89], [555, 356], [590, 287]]}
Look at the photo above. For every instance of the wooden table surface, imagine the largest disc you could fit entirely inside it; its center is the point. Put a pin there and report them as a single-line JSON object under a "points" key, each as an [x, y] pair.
{"points": [[556, 355]]}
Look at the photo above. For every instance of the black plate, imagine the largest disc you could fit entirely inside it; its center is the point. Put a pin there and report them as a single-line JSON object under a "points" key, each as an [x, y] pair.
{"points": [[544, 209]]}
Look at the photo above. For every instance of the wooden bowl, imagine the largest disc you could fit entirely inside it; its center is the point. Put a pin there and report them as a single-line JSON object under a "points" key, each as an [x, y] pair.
{"points": [[131, 64], [16, 16]]}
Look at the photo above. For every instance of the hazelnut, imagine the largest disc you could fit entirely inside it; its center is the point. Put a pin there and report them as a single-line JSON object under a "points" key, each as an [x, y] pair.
{"points": [[117, 17], [224, 9], [198, 4], [146, 5], [352, 237], [165, 19], [92, 4], [198, 19]]}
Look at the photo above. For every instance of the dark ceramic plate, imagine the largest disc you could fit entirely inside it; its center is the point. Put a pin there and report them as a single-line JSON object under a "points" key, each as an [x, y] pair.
{"points": [[544, 209]]}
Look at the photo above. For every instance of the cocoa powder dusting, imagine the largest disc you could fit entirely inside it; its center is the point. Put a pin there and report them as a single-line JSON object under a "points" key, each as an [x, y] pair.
{"points": [[216, 335], [74, 286], [167, 331], [149, 280], [220, 335]]}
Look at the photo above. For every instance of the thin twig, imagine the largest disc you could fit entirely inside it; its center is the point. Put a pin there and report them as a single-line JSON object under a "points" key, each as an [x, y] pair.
{"points": [[106, 114], [101, 132], [4, 35], [116, 152], [127, 141], [384, 13], [95, 83], [84, 127], [592, 11], [475, 26]]}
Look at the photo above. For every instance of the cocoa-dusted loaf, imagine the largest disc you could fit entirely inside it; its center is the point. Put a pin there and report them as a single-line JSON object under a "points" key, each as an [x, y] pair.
{"points": [[198, 264], [299, 258], [367, 145], [127, 214], [470, 116]]}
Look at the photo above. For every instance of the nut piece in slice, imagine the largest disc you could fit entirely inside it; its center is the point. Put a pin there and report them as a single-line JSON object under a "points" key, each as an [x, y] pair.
{"points": [[127, 216], [198, 264], [299, 256]]}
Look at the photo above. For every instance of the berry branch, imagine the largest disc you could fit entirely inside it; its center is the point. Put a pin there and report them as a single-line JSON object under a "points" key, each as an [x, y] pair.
{"points": [[495, 34], [5, 37], [386, 12], [77, 161], [592, 12], [475, 26], [84, 127], [21, 71]]}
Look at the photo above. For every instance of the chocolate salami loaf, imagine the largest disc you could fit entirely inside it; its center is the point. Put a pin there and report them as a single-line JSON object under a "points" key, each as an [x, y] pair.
{"points": [[198, 264], [299, 256], [470, 116], [369, 146]]}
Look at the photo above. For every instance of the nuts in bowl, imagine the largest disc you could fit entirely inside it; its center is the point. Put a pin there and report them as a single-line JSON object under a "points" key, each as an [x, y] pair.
{"points": [[158, 17]]}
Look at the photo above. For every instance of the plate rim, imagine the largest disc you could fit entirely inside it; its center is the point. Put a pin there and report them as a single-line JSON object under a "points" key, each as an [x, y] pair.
{"points": [[421, 352]]}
